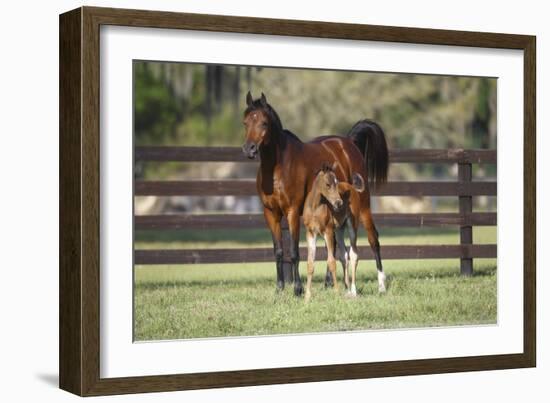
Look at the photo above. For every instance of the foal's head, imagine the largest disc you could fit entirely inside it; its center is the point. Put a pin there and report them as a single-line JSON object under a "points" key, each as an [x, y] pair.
{"points": [[326, 183], [261, 124]]}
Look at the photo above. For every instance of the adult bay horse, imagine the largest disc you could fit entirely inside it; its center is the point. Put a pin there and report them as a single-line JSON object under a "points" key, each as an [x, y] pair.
{"points": [[288, 167]]}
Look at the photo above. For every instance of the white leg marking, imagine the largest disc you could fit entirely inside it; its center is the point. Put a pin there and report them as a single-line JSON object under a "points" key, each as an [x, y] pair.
{"points": [[342, 254], [311, 248], [381, 282], [353, 257]]}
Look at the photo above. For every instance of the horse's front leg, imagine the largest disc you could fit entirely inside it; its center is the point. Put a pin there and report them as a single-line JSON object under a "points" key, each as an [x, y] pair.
{"points": [[273, 220], [353, 255], [311, 247], [328, 276], [331, 261], [342, 254], [293, 219]]}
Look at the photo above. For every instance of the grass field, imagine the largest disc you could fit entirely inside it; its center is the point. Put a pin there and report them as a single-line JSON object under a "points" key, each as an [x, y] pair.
{"points": [[192, 301]]}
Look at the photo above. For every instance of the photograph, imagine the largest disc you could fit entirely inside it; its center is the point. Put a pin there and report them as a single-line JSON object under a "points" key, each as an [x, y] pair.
{"points": [[250, 200], [283, 201]]}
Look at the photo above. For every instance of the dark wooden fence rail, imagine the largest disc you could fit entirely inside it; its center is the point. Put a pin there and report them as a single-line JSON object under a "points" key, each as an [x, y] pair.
{"points": [[464, 189], [181, 256], [234, 154], [231, 221], [248, 188]]}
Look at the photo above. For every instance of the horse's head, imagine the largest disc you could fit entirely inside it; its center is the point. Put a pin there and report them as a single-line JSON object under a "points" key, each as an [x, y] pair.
{"points": [[327, 184], [260, 122]]}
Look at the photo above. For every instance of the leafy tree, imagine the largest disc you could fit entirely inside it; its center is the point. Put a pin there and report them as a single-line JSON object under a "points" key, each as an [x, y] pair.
{"points": [[193, 104]]}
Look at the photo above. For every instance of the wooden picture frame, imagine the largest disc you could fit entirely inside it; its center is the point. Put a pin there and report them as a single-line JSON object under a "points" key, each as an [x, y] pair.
{"points": [[79, 345]]}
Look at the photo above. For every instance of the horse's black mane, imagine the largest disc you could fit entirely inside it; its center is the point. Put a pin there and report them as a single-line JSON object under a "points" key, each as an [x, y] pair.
{"points": [[290, 134], [273, 117]]}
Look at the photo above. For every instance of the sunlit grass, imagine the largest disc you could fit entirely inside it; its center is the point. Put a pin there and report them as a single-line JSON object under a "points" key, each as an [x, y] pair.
{"points": [[212, 300]]}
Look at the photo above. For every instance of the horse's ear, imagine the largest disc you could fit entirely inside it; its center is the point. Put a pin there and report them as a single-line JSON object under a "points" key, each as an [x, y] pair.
{"points": [[326, 167], [263, 100], [334, 166], [249, 99]]}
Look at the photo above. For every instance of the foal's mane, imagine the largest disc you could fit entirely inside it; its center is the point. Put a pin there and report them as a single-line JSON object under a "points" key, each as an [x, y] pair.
{"points": [[325, 167]]}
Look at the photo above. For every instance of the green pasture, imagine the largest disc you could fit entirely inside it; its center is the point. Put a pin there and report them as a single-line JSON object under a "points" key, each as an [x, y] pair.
{"points": [[212, 300]]}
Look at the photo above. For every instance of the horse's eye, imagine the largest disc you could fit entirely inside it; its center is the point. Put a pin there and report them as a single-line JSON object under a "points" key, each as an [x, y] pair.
{"points": [[264, 125]]}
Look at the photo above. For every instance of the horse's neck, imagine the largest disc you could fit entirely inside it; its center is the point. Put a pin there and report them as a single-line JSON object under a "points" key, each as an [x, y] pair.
{"points": [[279, 163], [274, 154]]}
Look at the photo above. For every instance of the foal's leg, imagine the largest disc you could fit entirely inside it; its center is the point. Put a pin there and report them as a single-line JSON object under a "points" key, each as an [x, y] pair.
{"points": [[273, 220], [342, 253], [353, 255], [328, 276], [293, 219], [331, 261], [372, 234], [311, 247]]}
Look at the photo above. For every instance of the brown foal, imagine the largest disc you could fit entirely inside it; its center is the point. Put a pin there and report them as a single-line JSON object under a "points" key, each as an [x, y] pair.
{"points": [[329, 208]]}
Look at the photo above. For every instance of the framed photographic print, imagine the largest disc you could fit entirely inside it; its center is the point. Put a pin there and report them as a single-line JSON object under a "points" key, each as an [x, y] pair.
{"points": [[249, 201]]}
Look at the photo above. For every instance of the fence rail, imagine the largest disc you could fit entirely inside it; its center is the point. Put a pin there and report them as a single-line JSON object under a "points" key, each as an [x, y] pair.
{"points": [[464, 188], [250, 221], [248, 188], [188, 256], [234, 154]]}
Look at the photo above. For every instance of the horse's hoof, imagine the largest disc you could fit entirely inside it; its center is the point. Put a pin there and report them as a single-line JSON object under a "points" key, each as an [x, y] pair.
{"points": [[328, 281], [382, 288], [298, 290], [307, 298], [280, 286], [351, 294]]}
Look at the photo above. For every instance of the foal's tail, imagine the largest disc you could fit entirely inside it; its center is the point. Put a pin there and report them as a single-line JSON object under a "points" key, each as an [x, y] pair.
{"points": [[357, 182], [369, 137]]}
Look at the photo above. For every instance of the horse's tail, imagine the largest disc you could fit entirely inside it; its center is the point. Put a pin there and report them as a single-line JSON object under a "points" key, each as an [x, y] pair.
{"points": [[369, 137]]}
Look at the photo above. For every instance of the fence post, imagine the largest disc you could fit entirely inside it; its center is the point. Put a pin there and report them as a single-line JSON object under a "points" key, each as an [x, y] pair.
{"points": [[287, 272], [465, 207]]}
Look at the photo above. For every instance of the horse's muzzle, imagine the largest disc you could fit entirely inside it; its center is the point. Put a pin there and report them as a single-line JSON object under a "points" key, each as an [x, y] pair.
{"points": [[250, 150], [338, 204]]}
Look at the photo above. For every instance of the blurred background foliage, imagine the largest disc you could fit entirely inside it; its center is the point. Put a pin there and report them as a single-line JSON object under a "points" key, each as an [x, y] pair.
{"points": [[195, 104], [186, 104]]}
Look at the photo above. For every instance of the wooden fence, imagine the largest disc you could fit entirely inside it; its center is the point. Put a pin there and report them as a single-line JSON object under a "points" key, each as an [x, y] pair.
{"points": [[464, 219]]}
